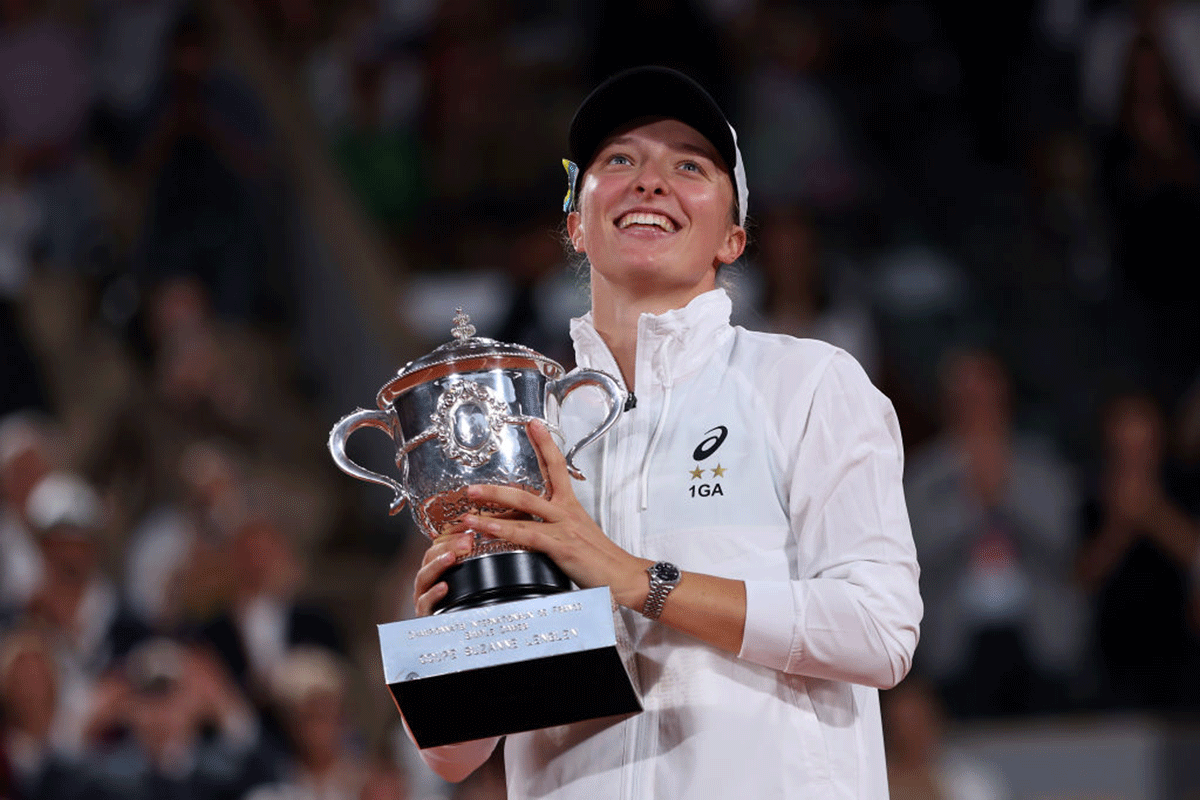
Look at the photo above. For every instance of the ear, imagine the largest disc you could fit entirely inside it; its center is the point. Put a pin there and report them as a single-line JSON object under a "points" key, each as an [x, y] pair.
{"points": [[575, 231], [731, 249]]}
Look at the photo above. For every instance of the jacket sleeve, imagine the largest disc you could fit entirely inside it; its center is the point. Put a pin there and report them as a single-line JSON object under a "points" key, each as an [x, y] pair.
{"points": [[853, 611], [454, 762]]}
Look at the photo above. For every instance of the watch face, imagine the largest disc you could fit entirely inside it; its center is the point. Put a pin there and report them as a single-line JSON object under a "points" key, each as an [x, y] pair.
{"points": [[666, 572]]}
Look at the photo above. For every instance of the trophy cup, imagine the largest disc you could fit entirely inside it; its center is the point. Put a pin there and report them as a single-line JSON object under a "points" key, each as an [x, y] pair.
{"points": [[513, 639]]}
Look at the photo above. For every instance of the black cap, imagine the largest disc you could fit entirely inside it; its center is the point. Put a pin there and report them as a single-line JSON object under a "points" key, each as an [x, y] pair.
{"points": [[648, 92], [653, 91]]}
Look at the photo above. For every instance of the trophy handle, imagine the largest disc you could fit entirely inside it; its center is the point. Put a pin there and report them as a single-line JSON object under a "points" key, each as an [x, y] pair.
{"points": [[616, 400], [384, 421]]}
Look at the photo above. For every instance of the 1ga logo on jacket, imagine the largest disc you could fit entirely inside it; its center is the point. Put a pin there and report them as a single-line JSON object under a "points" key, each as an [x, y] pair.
{"points": [[705, 478]]}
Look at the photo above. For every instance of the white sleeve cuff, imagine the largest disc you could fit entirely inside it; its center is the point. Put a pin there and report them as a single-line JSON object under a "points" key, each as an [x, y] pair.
{"points": [[770, 624]]}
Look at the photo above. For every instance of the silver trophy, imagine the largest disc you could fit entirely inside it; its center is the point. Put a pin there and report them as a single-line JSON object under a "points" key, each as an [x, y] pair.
{"points": [[457, 416], [514, 644]]}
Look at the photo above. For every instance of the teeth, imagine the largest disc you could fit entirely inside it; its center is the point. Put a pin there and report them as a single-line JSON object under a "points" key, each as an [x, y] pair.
{"points": [[644, 218]]}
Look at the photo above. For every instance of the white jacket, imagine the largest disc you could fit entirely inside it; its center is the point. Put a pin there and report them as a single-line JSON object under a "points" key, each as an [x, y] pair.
{"points": [[763, 458]]}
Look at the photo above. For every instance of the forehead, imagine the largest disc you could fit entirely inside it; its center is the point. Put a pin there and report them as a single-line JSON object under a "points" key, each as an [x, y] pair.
{"points": [[674, 134]]}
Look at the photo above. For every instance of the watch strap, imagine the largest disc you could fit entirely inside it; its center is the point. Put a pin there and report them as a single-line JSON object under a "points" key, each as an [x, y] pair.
{"points": [[659, 589]]}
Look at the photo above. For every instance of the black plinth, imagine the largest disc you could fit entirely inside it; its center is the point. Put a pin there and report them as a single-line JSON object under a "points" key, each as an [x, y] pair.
{"points": [[499, 578], [509, 667]]}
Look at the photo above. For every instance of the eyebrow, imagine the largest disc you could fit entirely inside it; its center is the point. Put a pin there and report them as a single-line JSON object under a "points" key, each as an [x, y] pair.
{"points": [[685, 147]]}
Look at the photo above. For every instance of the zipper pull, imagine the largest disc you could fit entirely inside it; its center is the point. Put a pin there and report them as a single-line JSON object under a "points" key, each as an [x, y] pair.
{"points": [[630, 402]]}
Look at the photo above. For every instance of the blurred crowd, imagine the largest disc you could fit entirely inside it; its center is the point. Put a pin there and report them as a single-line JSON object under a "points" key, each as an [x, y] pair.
{"points": [[992, 207]]}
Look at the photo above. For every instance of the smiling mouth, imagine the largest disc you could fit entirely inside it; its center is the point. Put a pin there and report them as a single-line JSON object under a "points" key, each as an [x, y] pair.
{"points": [[646, 218]]}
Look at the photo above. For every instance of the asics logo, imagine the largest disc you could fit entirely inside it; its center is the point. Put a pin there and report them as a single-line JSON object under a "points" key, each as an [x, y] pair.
{"points": [[712, 440]]}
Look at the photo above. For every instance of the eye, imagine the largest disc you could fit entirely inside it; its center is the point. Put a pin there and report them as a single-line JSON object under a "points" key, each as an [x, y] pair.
{"points": [[619, 159], [691, 166]]}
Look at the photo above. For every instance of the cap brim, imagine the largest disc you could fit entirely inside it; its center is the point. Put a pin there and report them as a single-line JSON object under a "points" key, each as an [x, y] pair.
{"points": [[645, 92]]}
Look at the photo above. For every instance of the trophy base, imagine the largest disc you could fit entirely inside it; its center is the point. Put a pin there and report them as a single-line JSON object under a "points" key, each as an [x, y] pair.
{"points": [[500, 578], [519, 666]]}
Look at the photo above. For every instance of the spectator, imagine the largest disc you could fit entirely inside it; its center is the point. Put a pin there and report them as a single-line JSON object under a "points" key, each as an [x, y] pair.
{"points": [[1140, 541], [1055, 298], [385, 780], [21, 220], [923, 764], [264, 618], [211, 380], [175, 558], [797, 139], [26, 456], [182, 731], [1152, 178], [324, 763], [379, 154], [129, 58], [808, 290], [544, 293], [208, 164], [75, 602], [993, 518], [40, 735], [45, 103], [1110, 37]]}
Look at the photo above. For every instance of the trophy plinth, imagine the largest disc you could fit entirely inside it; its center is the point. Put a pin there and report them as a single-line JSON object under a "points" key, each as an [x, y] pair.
{"points": [[507, 668]]}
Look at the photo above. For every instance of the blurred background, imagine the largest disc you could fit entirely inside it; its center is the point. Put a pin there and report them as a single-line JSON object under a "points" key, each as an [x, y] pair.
{"points": [[226, 223]]}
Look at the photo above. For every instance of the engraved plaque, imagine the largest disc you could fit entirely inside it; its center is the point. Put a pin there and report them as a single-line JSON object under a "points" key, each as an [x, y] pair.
{"points": [[510, 667]]}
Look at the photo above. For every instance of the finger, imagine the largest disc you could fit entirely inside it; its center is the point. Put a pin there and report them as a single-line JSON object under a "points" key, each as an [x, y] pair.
{"points": [[458, 543], [553, 459], [430, 573], [424, 603], [510, 497], [523, 533], [441, 555]]}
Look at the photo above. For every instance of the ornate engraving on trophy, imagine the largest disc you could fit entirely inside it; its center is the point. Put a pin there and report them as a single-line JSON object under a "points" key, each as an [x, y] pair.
{"points": [[468, 421]]}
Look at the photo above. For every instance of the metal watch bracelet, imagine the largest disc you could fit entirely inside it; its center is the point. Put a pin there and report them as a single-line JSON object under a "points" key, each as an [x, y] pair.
{"points": [[664, 576]]}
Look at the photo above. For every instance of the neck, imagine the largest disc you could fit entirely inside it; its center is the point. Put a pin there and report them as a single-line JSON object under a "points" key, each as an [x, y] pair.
{"points": [[616, 311]]}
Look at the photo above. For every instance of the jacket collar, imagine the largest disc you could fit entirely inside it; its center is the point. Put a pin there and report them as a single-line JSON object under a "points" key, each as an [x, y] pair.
{"points": [[672, 344]]}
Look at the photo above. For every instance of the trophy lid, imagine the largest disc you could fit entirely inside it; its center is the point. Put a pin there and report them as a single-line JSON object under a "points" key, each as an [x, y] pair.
{"points": [[465, 352]]}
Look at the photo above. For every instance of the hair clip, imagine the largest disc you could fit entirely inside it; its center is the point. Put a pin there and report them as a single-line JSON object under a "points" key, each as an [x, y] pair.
{"points": [[572, 175]]}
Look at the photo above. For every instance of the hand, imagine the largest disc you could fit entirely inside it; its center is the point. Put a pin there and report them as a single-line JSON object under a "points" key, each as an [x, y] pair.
{"points": [[203, 679], [561, 528], [987, 470], [428, 588], [210, 695], [109, 709], [1134, 498], [54, 608]]}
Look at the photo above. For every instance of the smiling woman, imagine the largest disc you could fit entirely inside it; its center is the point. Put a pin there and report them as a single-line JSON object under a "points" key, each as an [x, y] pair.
{"points": [[654, 220], [767, 468]]}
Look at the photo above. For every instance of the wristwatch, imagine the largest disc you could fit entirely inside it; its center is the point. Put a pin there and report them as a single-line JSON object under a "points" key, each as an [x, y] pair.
{"points": [[664, 576]]}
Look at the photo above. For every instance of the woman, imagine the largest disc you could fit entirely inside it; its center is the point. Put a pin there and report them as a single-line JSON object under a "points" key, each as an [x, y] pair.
{"points": [[768, 468]]}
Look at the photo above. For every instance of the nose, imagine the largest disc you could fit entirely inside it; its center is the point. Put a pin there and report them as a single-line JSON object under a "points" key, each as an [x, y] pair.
{"points": [[650, 180]]}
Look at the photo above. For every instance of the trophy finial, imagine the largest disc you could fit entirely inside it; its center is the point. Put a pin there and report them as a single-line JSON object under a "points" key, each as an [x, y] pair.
{"points": [[463, 329]]}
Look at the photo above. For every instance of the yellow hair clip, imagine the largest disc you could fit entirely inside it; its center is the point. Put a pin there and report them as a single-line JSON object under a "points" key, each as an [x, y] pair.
{"points": [[572, 175]]}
